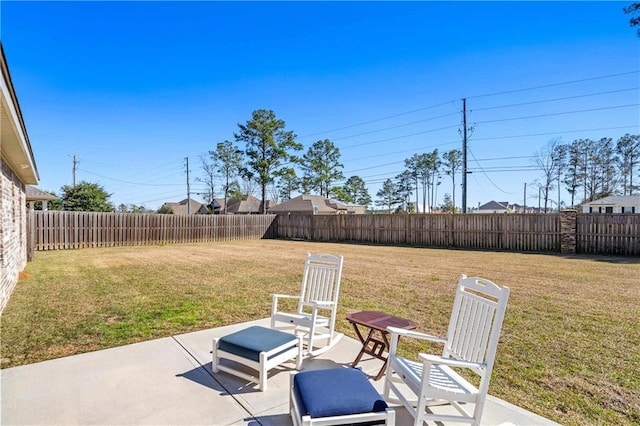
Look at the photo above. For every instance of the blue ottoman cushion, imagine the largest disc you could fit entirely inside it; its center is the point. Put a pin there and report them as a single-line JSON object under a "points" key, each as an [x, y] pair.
{"points": [[248, 343], [336, 392]]}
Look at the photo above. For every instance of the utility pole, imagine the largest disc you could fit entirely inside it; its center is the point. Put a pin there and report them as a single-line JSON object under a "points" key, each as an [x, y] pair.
{"points": [[525, 197], [73, 171], [186, 159], [464, 155]]}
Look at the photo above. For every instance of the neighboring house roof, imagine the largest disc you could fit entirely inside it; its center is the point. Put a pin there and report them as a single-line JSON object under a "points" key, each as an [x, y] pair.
{"points": [[181, 207], [309, 204], [217, 204], [495, 205], [616, 200], [35, 194], [16, 148], [248, 204]]}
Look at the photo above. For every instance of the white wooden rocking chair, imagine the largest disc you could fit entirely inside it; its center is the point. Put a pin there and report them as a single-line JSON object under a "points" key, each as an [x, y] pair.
{"points": [[319, 294], [471, 343]]}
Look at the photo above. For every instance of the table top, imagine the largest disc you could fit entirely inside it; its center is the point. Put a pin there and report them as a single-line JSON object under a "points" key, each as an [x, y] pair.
{"points": [[379, 320]]}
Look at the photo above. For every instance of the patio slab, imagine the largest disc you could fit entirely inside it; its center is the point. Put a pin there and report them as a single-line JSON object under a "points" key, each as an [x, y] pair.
{"points": [[169, 381]]}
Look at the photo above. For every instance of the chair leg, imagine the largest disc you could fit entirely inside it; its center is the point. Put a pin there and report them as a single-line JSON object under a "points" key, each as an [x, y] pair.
{"points": [[299, 357]]}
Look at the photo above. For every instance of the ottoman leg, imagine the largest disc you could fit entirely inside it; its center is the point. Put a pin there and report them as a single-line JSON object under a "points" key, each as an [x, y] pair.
{"points": [[263, 371], [214, 362]]}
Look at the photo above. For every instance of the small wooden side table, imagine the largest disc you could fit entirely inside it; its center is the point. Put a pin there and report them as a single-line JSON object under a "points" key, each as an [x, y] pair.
{"points": [[376, 342]]}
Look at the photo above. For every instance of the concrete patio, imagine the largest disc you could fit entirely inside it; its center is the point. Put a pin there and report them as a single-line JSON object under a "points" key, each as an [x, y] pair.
{"points": [[169, 381]]}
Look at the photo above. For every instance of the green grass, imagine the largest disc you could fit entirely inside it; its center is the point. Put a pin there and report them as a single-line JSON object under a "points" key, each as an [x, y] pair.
{"points": [[569, 349]]}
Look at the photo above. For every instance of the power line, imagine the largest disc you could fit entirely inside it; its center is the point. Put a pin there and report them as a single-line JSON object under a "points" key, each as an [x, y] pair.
{"points": [[487, 176], [399, 137], [556, 133], [472, 97], [555, 99], [376, 119], [558, 113], [553, 84], [395, 127], [131, 183], [413, 150]]}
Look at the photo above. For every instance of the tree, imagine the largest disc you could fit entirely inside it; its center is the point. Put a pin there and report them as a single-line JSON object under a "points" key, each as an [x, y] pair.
{"points": [[288, 183], [227, 159], [267, 148], [452, 161], [235, 192], [388, 195], [321, 166], [634, 9], [548, 160], [600, 178], [355, 191], [209, 169], [447, 205], [165, 210], [628, 148], [85, 197], [424, 168], [573, 172], [413, 167], [404, 188]]}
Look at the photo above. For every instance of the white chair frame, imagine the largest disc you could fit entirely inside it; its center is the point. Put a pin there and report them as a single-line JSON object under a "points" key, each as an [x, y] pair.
{"points": [[471, 343], [290, 350], [319, 294]]}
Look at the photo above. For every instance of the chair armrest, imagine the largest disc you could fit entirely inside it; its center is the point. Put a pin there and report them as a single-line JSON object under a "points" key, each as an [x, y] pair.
{"points": [[434, 359], [323, 303], [414, 334], [284, 296], [274, 302]]}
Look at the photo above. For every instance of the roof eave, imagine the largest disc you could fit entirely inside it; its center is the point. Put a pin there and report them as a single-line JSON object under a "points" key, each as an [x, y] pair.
{"points": [[16, 148]]}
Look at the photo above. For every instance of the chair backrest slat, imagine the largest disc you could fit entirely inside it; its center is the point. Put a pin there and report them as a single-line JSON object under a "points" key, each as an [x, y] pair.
{"points": [[476, 320], [321, 279]]}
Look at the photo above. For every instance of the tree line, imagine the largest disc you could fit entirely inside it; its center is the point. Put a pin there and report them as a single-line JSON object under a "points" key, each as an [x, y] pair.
{"points": [[589, 169], [263, 155]]}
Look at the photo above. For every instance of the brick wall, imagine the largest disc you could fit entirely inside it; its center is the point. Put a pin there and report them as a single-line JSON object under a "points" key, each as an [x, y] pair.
{"points": [[13, 232]]}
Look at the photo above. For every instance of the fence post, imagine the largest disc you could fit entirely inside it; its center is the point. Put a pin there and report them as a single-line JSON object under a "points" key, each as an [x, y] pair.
{"points": [[31, 234], [568, 227]]}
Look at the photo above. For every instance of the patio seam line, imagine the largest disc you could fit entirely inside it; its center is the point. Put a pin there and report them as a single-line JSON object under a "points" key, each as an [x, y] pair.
{"points": [[216, 380]]}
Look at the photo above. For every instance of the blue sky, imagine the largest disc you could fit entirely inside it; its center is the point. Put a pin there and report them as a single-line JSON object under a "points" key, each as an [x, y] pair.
{"points": [[132, 88]]}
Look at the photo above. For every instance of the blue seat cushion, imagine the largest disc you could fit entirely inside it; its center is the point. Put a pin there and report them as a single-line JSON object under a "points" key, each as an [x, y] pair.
{"points": [[336, 392], [248, 343]]}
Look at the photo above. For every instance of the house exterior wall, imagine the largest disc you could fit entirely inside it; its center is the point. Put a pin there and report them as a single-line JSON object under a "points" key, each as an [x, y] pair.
{"points": [[613, 208], [13, 232]]}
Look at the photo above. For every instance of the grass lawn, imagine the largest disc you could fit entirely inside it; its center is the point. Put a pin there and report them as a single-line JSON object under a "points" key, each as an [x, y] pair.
{"points": [[570, 345]]}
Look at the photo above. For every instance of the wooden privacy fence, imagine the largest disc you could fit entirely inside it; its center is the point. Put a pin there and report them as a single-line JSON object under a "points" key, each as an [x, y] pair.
{"points": [[566, 232], [517, 232], [55, 230], [608, 234]]}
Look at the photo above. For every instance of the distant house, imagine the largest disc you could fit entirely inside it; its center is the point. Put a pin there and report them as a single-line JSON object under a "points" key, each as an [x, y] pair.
{"points": [[614, 204], [34, 195], [217, 206], [186, 207], [314, 205], [247, 205], [495, 207], [506, 207], [18, 170]]}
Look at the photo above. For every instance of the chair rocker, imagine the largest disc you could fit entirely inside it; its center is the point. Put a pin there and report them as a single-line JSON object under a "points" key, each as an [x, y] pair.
{"points": [[471, 343], [315, 316]]}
